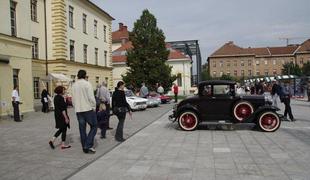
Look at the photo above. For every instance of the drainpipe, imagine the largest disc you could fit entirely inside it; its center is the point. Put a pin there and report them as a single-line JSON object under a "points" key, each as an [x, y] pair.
{"points": [[46, 55]]}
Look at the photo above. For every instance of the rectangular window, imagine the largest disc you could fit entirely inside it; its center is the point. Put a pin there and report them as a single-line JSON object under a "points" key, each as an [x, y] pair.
{"points": [[266, 73], [301, 61], [257, 73], [274, 72], [221, 73], [85, 53], [107, 81], [235, 73], [95, 28], [266, 62], [242, 72], [249, 62], [235, 63], [105, 58], [221, 63], [228, 63], [242, 63], [13, 18], [214, 64], [36, 90], [228, 73], [84, 23], [72, 51], [33, 9], [105, 33], [179, 80], [257, 62], [214, 73], [15, 77], [249, 72], [71, 16], [35, 48], [97, 80], [274, 62], [96, 56]]}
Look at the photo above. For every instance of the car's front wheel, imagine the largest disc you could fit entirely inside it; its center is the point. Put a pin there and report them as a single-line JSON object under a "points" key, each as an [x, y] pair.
{"points": [[188, 120], [268, 121]]}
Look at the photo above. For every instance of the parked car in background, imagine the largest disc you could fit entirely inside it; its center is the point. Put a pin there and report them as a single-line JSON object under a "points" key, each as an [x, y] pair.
{"points": [[135, 102], [217, 103], [153, 101], [163, 98]]}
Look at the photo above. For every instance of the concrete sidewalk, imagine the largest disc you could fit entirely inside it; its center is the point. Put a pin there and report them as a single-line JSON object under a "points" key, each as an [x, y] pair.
{"points": [[162, 151]]}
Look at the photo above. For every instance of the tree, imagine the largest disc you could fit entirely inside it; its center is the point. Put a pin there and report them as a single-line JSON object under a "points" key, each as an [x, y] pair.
{"points": [[147, 59], [291, 69], [226, 77], [306, 69], [205, 74]]}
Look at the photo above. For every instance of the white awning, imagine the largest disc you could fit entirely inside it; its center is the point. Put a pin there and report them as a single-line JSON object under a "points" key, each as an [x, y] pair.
{"points": [[58, 76]]}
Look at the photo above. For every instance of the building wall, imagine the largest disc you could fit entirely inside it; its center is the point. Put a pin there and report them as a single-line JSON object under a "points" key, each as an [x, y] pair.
{"points": [[119, 70], [21, 61], [260, 66]]}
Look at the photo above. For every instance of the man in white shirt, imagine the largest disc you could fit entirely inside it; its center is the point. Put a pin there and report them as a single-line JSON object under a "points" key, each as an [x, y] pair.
{"points": [[15, 103], [160, 89], [84, 103]]}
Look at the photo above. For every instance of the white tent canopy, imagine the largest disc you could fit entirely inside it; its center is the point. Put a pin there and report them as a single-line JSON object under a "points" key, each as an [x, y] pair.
{"points": [[58, 77]]}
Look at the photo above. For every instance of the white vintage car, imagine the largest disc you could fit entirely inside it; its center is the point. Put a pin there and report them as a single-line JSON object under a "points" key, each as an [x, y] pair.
{"points": [[135, 102]]}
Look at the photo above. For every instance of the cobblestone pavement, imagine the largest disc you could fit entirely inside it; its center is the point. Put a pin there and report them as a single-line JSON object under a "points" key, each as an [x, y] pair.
{"points": [[162, 151], [25, 153]]}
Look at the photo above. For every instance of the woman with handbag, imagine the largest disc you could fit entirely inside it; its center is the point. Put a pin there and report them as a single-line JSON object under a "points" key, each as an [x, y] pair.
{"points": [[120, 107], [44, 101], [61, 118]]}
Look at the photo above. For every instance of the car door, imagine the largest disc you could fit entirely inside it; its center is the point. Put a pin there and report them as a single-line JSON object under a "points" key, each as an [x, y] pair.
{"points": [[220, 103]]}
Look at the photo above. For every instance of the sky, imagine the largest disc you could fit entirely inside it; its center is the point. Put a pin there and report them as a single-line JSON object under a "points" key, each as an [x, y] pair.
{"points": [[248, 23]]}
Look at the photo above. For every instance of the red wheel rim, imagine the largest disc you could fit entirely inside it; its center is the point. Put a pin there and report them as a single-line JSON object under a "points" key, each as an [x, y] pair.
{"points": [[243, 111], [269, 121], [188, 121]]}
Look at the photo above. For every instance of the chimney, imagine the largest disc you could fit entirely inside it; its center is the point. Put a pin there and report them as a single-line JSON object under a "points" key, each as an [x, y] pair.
{"points": [[125, 28], [230, 42], [121, 25]]}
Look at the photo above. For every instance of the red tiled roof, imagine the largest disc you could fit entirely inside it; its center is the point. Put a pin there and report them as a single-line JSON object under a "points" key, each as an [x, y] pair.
{"points": [[173, 54], [121, 33], [119, 59], [305, 46], [230, 49], [282, 50]]}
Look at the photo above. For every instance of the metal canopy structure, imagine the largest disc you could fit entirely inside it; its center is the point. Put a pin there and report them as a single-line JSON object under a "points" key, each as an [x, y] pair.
{"points": [[190, 48]]}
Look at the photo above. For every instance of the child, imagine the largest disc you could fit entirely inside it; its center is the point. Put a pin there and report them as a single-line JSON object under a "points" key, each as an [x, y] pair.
{"points": [[102, 119]]}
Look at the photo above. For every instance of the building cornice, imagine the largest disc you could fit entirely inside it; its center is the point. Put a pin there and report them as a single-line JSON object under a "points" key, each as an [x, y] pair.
{"points": [[99, 9], [59, 61], [13, 39]]}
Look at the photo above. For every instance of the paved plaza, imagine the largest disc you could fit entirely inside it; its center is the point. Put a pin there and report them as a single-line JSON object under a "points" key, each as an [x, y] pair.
{"points": [[159, 151]]}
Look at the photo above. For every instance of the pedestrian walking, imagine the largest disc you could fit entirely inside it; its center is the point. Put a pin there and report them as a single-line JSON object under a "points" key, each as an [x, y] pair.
{"points": [[44, 101], [285, 98], [84, 103], [175, 91], [15, 103], [120, 107], [103, 96], [144, 91], [102, 118], [61, 118], [275, 91]]}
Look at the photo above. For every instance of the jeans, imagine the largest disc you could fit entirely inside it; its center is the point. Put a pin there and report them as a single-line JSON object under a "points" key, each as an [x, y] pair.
{"points": [[120, 126], [16, 110], [90, 118]]}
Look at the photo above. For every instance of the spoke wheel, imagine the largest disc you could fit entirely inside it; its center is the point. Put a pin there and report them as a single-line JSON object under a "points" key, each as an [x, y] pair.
{"points": [[188, 121], [269, 121], [242, 110]]}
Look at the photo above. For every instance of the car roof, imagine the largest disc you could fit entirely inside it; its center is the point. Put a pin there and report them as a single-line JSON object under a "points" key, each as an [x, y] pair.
{"points": [[217, 82]]}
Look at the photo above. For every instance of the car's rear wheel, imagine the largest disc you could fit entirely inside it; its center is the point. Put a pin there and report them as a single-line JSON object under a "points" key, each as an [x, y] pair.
{"points": [[188, 120], [242, 110], [268, 121]]}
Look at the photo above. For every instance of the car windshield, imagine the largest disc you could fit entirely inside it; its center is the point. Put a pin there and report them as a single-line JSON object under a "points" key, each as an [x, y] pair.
{"points": [[129, 93]]}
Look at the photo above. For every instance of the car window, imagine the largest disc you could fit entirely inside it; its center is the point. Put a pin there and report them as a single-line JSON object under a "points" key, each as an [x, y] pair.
{"points": [[221, 90], [207, 90]]}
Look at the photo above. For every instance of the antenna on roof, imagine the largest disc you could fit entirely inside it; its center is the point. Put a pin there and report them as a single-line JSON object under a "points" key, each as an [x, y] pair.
{"points": [[288, 39]]}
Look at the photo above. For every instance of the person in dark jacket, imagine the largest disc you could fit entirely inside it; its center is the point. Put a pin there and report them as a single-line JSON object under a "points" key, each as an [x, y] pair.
{"points": [[285, 98], [44, 101], [102, 118], [61, 118], [120, 107]]}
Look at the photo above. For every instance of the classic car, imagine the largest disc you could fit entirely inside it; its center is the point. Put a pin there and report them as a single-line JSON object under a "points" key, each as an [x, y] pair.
{"points": [[135, 102], [217, 103], [153, 101], [163, 98]]}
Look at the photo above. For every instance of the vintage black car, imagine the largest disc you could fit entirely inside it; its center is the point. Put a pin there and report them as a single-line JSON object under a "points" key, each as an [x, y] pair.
{"points": [[217, 103]]}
